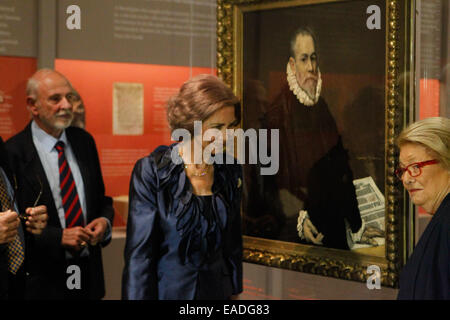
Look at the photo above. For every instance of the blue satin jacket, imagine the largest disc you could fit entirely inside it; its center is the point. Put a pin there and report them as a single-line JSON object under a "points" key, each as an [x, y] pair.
{"points": [[173, 250]]}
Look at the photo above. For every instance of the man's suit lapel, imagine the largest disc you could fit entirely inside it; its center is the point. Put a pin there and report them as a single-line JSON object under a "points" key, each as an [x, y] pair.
{"points": [[79, 151], [36, 175]]}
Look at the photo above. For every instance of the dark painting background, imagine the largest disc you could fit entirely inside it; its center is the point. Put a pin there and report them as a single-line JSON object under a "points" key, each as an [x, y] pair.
{"points": [[352, 63]]}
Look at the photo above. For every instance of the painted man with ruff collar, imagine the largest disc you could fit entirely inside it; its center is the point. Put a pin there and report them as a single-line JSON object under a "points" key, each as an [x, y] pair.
{"points": [[314, 180]]}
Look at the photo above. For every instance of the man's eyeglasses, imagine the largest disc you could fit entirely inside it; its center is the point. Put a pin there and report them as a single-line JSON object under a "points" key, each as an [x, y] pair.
{"points": [[24, 216], [414, 169]]}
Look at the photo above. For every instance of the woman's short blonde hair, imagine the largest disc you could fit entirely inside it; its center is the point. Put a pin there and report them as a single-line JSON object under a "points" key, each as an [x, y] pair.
{"points": [[433, 134]]}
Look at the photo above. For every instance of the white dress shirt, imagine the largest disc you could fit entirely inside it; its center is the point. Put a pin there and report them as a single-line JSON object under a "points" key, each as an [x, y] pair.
{"points": [[45, 146]]}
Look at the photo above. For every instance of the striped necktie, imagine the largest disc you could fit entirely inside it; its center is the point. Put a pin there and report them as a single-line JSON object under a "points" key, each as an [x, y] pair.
{"points": [[69, 195], [16, 253]]}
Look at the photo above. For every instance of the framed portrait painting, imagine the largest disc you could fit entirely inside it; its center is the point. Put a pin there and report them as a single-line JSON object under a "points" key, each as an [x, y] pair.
{"points": [[329, 81]]}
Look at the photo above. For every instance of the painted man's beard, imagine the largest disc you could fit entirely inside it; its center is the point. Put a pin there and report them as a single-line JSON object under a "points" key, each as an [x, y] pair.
{"points": [[307, 97], [310, 86]]}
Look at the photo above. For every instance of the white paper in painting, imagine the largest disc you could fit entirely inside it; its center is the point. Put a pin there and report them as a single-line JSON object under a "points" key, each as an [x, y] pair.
{"points": [[128, 108]]}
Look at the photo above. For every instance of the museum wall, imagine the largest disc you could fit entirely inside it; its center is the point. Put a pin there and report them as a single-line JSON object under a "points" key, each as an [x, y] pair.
{"points": [[135, 54], [433, 71], [18, 61]]}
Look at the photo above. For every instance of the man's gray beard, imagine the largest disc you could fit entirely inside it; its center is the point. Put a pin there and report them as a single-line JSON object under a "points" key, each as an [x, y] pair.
{"points": [[63, 126], [56, 125]]}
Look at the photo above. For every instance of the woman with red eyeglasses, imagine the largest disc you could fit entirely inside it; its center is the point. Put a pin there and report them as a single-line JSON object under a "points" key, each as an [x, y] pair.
{"points": [[425, 173]]}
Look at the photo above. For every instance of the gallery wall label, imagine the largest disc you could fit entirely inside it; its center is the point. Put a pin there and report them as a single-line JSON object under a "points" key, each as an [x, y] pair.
{"points": [[18, 28], [164, 32]]}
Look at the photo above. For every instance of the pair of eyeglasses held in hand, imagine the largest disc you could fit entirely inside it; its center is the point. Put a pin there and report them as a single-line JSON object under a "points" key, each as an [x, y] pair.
{"points": [[24, 216]]}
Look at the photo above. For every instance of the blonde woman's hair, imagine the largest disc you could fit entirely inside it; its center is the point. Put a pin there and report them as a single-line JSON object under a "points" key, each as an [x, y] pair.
{"points": [[433, 134]]}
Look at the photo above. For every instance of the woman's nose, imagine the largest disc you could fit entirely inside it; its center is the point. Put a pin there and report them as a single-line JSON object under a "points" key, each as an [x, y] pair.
{"points": [[407, 178]]}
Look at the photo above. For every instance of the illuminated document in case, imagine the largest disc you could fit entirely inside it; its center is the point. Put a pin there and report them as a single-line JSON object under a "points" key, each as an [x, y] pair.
{"points": [[128, 108]]}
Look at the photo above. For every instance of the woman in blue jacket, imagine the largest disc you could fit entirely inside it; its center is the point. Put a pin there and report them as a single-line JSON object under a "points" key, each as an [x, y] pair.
{"points": [[184, 236]]}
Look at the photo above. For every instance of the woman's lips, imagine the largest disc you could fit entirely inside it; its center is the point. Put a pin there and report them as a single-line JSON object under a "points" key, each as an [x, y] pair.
{"points": [[413, 190]]}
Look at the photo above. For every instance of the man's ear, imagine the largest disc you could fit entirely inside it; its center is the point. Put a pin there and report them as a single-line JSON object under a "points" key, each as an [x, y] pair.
{"points": [[31, 105], [292, 64]]}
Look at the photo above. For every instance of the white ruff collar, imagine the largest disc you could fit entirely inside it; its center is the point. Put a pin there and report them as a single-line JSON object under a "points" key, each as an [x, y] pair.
{"points": [[301, 95]]}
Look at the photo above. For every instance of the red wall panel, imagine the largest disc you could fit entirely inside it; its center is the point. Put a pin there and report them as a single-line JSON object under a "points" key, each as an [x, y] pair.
{"points": [[94, 81], [14, 73]]}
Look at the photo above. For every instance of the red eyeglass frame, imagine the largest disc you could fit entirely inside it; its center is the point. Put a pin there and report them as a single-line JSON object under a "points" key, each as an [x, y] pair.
{"points": [[399, 172]]}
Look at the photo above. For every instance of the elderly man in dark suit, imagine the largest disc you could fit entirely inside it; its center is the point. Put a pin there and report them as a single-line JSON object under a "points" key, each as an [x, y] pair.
{"points": [[61, 163], [12, 235]]}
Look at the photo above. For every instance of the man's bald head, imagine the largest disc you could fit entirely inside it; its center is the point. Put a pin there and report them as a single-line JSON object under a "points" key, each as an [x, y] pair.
{"points": [[38, 77]]}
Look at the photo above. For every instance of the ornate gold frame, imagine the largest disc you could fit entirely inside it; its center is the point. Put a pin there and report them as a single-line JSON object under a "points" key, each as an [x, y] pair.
{"points": [[399, 96]]}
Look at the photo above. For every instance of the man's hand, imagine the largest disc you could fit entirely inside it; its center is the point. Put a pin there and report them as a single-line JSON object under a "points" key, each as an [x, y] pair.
{"points": [[76, 238], [36, 219], [311, 233], [9, 222], [98, 228]]}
